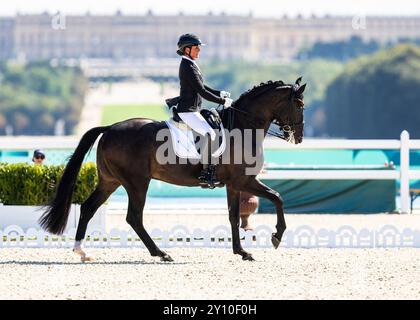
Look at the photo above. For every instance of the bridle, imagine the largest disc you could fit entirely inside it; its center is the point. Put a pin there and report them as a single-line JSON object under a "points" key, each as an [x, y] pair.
{"points": [[287, 129]]}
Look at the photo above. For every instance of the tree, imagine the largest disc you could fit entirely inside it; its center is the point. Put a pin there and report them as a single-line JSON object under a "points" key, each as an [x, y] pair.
{"points": [[377, 96], [33, 97], [239, 76], [339, 50]]}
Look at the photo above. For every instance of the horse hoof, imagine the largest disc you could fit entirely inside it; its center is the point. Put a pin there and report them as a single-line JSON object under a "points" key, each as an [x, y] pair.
{"points": [[86, 259], [248, 257], [275, 241], [166, 258], [82, 254]]}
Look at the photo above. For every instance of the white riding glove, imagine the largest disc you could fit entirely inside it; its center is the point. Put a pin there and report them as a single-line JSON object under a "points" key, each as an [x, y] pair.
{"points": [[228, 102], [224, 94]]}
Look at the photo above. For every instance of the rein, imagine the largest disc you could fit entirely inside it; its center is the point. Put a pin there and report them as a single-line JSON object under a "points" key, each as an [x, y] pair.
{"points": [[231, 118]]}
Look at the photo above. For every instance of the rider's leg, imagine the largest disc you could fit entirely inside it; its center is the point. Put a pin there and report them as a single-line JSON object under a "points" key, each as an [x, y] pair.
{"points": [[205, 151], [197, 122], [208, 174]]}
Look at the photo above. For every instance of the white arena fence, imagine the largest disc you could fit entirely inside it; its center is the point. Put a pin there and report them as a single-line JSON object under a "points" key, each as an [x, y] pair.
{"points": [[404, 145], [388, 236], [404, 174]]}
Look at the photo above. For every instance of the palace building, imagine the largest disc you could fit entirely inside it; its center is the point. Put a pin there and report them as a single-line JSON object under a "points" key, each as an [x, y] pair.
{"points": [[121, 36]]}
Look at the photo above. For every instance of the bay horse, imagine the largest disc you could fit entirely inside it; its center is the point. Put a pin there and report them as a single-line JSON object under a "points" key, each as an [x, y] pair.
{"points": [[126, 155]]}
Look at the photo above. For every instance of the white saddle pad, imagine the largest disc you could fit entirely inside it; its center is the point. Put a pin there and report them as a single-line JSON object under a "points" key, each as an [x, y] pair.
{"points": [[183, 140]]}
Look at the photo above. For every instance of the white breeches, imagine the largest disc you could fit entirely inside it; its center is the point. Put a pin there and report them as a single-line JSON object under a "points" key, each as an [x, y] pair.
{"points": [[196, 121]]}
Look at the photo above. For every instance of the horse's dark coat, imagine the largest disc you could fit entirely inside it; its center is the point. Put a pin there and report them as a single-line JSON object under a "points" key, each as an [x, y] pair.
{"points": [[126, 155]]}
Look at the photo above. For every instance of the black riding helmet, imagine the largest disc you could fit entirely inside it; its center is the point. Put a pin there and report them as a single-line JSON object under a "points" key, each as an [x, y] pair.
{"points": [[188, 40]]}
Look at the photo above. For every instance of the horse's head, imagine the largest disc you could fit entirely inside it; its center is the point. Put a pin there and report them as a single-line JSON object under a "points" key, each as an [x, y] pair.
{"points": [[289, 112]]}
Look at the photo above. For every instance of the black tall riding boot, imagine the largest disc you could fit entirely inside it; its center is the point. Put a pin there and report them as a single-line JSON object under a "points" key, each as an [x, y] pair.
{"points": [[208, 174]]}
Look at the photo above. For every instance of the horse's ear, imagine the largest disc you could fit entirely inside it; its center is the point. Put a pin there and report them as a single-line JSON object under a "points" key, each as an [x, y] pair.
{"points": [[301, 89], [298, 81]]}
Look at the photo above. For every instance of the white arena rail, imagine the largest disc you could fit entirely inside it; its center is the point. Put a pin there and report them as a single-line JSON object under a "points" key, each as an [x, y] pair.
{"points": [[404, 174], [330, 175], [39, 142], [404, 145]]}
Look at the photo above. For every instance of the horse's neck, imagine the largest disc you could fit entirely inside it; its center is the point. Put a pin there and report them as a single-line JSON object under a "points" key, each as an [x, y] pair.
{"points": [[242, 118]]}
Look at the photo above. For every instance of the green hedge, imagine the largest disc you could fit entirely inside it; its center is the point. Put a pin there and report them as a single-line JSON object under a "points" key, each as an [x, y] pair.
{"points": [[28, 184]]}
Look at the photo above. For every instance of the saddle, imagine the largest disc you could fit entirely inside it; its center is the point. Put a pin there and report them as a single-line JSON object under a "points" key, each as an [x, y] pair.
{"points": [[211, 116], [183, 136]]}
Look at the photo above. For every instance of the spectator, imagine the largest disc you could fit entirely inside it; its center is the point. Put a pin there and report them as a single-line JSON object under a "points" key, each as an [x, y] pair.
{"points": [[38, 157]]}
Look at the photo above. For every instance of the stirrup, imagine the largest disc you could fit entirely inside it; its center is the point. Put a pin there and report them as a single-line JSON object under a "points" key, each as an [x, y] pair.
{"points": [[208, 178]]}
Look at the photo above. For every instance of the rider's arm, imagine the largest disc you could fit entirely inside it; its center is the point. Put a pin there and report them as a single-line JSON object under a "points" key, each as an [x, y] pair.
{"points": [[214, 91], [198, 85]]}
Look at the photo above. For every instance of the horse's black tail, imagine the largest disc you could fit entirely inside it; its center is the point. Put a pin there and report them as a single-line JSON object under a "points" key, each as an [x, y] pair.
{"points": [[54, 219]]}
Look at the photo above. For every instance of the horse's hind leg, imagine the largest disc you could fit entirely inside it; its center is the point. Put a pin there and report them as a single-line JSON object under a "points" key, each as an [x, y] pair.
{"points": [[87, 210], [137, 199], [233, 197]]}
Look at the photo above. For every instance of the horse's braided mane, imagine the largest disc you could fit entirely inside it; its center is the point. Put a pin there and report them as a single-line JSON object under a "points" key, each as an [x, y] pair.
{"points": [[258, 89]]}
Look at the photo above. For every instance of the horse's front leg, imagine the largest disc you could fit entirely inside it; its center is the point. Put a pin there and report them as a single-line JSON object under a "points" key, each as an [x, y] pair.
{"points": [[233, 197], [259, 189]]}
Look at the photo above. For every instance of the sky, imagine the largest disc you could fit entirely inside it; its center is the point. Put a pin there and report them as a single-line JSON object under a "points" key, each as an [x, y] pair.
{"points": [[259, 8]]}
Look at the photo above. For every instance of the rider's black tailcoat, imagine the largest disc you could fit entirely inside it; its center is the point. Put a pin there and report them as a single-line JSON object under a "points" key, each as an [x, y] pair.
{"points": [[193, 88]]}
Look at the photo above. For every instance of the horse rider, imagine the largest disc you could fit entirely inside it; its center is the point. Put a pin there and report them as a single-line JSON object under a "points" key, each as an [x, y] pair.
{"points": [[189, 105]]}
